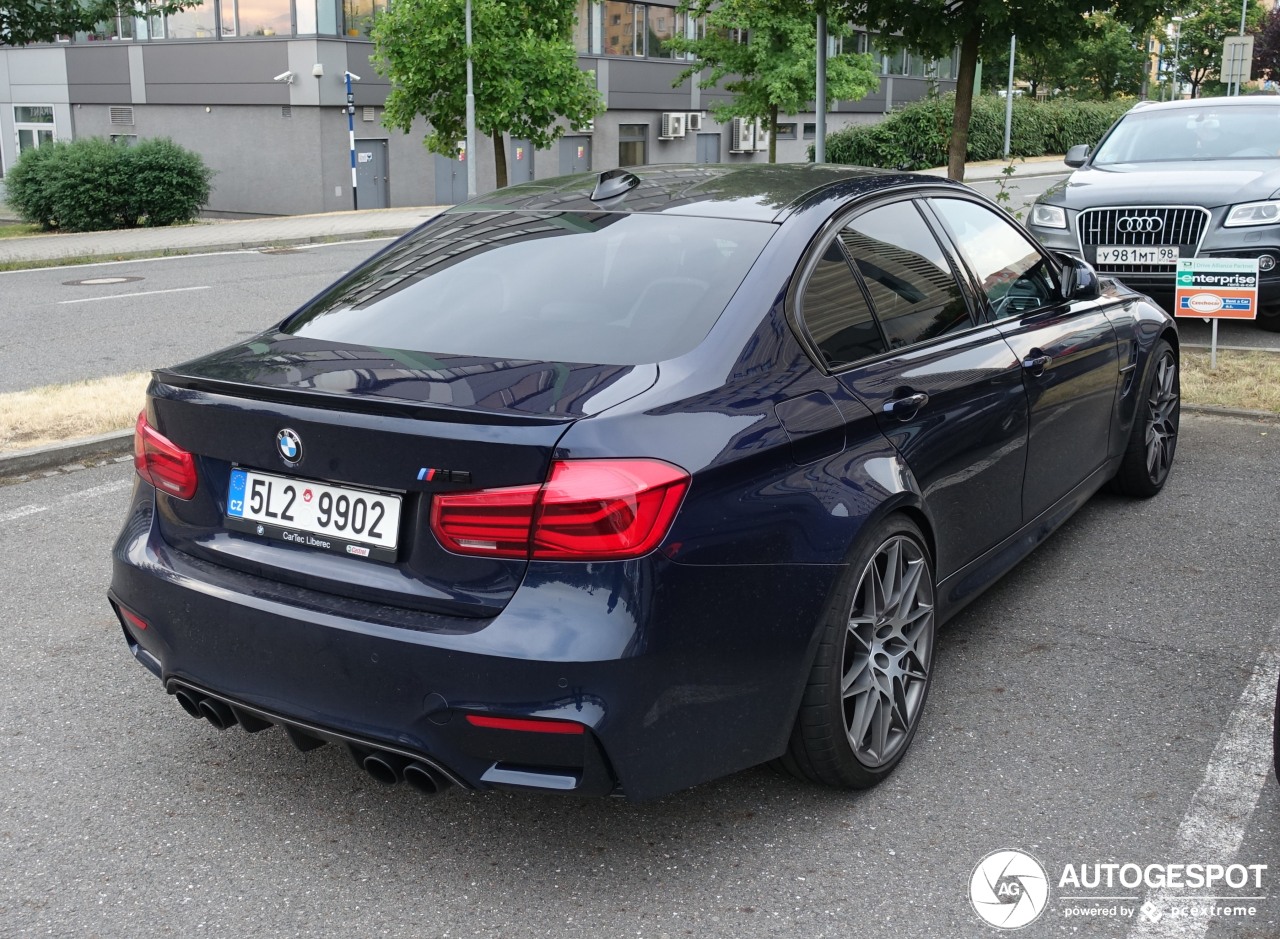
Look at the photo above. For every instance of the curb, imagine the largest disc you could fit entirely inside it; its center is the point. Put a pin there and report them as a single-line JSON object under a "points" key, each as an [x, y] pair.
{"points": [[179, 251], [37, 459], [120, 443]]}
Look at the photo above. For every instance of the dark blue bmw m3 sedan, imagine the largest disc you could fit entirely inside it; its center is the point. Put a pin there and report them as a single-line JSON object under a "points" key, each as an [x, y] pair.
{"points": [[617, 484]]}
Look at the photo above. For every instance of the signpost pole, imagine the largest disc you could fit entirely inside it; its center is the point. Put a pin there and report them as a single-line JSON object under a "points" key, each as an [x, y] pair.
{"points": [[351, 141], [1213, 346]]}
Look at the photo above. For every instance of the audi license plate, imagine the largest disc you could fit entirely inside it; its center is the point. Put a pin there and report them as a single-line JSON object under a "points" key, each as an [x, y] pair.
{"points": [[331, 518], [1144, 254]]}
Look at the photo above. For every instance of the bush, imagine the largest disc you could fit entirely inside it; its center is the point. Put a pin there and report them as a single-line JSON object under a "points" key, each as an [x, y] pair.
{"points": [[93, 184], [915, 136]]}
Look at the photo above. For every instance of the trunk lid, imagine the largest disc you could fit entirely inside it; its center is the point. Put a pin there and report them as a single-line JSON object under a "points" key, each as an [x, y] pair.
{"points": [[381, 422]]}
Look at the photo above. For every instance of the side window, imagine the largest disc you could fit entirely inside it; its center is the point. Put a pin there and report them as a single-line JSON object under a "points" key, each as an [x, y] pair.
{"points": [[1011, 271], [912, 287], [836, 313]]}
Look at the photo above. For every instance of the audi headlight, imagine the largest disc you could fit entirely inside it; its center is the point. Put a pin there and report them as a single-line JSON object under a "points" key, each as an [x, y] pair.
{"points": [[1253, 213], [1048, 216]]}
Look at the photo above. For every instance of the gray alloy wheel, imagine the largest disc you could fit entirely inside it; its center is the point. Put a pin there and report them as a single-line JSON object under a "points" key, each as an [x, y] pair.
{"points": [[888, 648], [870, 677], [1162, 417], [1149, 455]]}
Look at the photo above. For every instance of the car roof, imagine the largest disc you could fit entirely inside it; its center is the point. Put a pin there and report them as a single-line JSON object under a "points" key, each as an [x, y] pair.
{"points": [[1249, 101], [766, 192]]}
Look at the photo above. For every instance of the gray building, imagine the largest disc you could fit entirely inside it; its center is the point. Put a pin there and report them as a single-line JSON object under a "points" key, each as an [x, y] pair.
{"points": [[257, 88]]}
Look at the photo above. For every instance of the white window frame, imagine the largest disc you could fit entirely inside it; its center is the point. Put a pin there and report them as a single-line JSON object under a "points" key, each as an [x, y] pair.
{"points": [[35, 128]]}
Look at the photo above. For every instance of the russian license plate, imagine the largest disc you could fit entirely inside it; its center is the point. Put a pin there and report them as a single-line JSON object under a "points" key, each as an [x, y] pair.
{"points": [[357, 522], [1144, 254]]}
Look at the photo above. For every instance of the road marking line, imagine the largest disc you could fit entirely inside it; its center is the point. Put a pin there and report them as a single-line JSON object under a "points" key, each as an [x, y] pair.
{"points": [[22, 512], [121, 296], [1212, 829], [80, 496]]}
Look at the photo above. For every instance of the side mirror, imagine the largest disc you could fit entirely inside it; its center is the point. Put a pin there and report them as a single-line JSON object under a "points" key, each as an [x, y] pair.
{"points": [[1077, 155], [1079, 280]]}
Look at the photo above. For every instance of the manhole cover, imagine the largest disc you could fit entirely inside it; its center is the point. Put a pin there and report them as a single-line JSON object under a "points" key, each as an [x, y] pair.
{"points": [[99, 281]]}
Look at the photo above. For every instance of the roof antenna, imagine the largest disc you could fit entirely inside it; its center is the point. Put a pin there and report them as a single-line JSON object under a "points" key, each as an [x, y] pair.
{"points": [[614, 183]]}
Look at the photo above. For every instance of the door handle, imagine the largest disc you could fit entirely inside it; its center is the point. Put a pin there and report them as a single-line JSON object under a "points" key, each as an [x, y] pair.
{"points": [[906, 408], [1036, 363]]}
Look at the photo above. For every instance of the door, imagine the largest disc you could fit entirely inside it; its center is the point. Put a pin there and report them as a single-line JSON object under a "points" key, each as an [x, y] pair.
{"points": [[451, 179], [951, 400], [708, 148], [520, 162], [1068, 350], [371, 174], [575, 155]]}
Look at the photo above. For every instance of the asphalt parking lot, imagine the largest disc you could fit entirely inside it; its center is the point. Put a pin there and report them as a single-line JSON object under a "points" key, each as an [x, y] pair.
{"points": [[1108, 702]]}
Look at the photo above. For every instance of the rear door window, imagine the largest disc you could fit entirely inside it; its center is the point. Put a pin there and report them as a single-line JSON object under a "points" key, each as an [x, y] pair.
{"points": [[836, 314], [603, 288], [912, 286]]}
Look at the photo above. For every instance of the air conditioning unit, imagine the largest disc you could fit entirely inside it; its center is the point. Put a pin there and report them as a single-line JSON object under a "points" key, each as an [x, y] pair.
{"points": [[695, 121], [761, 136], [742, 135], [672, 125]]}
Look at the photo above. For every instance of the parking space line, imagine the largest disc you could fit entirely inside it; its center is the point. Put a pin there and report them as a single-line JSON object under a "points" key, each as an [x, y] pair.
{"points": [[122, 296], [1213, 827], [23, 511]]}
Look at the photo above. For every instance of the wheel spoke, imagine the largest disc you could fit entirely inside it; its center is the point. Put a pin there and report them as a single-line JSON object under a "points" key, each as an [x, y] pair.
{"points": [[887, 651]]}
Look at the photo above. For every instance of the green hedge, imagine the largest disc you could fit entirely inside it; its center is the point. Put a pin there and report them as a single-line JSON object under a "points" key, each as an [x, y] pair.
{"points": [[93, 184], [915, 137]]}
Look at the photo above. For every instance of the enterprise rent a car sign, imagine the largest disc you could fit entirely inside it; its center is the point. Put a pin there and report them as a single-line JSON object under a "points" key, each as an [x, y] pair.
{"points": [[1225, 288]]}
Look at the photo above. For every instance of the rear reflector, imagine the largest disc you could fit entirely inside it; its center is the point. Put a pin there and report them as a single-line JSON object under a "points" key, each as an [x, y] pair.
{"points": [[133, 619], [161, 462], [533, 725], [587, 510]]}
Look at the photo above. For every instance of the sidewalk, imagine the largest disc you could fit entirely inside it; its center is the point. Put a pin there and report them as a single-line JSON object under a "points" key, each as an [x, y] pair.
{"points": [[219, 235]]}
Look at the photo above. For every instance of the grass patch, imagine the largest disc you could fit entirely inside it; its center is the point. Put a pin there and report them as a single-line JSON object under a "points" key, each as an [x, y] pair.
{"points": [[66, 412], [19, 229], [1249, 380]]}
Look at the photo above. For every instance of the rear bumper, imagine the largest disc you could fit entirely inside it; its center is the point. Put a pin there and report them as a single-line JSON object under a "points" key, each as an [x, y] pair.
{"points": [[678, 674]]}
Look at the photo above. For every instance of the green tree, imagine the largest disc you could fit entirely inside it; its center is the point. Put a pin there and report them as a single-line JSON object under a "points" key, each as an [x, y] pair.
{"points": [[1043, 69], [1109, 58], [23, 22], [1266, 47], [773, 71], [935, 27], [526, 71], [1203, 33]]}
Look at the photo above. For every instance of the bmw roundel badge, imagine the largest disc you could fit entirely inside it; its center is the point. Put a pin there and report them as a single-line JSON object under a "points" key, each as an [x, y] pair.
{"points": [[289, 445]]}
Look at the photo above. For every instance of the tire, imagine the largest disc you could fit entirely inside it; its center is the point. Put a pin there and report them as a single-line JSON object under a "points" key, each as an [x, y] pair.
{"points": [[1269, 320], [1154, 438], [881, 651]]}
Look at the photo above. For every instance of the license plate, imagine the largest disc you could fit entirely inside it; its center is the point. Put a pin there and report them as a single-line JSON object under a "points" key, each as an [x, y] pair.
{"points": [[340, 519], [1145, 254]]}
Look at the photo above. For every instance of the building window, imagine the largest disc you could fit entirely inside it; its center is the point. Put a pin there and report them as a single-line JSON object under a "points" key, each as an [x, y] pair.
{"points": [[633, 144], [785, 131], [34, 124], [621, 37], [632, 29], [196, 22], [250, 18], [810, 130], [358, 16]]}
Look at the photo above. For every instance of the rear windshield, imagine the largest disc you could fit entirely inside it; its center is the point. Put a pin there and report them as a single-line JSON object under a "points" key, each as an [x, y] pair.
{"points": [[604, 288], [1212, 132]]}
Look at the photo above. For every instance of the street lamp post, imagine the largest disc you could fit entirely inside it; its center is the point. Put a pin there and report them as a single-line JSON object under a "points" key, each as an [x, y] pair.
{"points": [[470, 156], [1008, 99], [820, 96], [1177, 47]]}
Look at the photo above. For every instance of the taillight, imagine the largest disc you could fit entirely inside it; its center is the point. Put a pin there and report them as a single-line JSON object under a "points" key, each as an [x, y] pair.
{"points": [[161, 462], [530, 725], [587, 510]]}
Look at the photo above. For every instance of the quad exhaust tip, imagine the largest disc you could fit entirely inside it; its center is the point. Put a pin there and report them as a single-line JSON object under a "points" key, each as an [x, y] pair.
{"points": [[387, 768]]}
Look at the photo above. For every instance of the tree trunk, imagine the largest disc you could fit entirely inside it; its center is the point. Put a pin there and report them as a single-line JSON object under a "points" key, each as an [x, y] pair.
{"points": [[499, 159], [958, 146], [773, 133]]}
